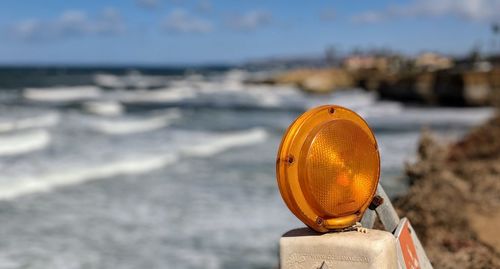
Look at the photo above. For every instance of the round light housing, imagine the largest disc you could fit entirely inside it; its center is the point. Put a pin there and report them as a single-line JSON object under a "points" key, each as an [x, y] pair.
{"points": [[328, 167]]}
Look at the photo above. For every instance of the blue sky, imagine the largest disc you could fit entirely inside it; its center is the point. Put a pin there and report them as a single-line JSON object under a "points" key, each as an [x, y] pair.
{"points": [[225, 31]]}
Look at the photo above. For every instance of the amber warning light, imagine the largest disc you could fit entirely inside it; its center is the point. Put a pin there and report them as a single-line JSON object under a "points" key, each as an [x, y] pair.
{"points": [[328, 167]]}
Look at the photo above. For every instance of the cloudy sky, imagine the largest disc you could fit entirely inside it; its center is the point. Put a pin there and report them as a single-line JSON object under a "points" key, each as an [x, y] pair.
{"points": [[229, 31]]}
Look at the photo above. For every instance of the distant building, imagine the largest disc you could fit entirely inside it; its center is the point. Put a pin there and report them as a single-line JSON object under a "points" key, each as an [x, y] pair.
{"points": [[381, 63], [433, 61], [358, 62]]}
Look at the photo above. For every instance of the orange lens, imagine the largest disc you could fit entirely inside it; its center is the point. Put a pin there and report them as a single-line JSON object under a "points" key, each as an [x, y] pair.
{"points": [[328, 167]]}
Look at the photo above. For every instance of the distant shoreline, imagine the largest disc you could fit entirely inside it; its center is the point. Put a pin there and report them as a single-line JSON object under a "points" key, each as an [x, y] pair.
{"points": [[440, 87]]}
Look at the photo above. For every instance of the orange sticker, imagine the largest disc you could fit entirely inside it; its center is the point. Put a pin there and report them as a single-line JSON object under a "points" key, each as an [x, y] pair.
{"points": [[408, 247]]}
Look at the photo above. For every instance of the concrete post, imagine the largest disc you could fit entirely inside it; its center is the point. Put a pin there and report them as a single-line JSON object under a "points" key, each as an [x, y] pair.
{"points": [[304, 248]]}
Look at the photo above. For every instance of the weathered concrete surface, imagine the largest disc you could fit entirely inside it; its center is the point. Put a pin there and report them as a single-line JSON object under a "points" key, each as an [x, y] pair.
{"points": [[304, 248]]}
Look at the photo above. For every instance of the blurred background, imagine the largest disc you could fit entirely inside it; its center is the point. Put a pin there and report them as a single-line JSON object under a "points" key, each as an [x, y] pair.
{"points": [[143, 133]]}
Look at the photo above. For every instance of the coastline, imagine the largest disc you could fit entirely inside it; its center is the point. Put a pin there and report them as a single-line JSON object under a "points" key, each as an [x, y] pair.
{"points": [[457, 86], [220, 126], [453, 200]]}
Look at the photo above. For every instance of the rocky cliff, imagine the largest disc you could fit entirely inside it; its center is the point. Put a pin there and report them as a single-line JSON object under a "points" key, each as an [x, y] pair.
{"points": [[454, 199]]}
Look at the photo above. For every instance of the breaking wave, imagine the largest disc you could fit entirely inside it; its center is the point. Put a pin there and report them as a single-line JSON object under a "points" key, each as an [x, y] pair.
{"points": [[387, 118], [13, 124], [131, 126], [103, 108], [60, 175], [167, 95], [62, 94], [132, 80], [226, 141], [18, 143], [44, 183]]}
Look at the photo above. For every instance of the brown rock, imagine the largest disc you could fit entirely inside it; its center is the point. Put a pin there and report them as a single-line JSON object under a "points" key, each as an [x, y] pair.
{"points": [[483, 225], [317, 80], [453, 202]]}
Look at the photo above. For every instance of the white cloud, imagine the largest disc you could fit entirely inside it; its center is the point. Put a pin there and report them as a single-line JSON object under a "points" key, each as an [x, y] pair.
{"points": [[474, 10], [69, 23], [149, 4], [180, 21], [251, 20]]}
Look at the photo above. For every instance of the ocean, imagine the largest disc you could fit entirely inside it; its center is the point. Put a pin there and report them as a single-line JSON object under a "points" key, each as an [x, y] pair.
{"points": [[166, 168]]}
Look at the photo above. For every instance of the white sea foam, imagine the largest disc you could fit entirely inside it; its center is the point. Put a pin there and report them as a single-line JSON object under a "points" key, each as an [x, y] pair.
{"points": [[62, 94], [133, 79], [76, 173], [166, 95], [104, 108], [225, 141], [18, 143], [43, 183], [108, 81], [130, 126], [415, 118], [44, 120], [380, 109]]}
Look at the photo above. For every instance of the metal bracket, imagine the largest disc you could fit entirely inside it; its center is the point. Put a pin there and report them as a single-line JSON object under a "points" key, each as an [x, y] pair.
{"points": [[382, 207], [384, 210]]}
